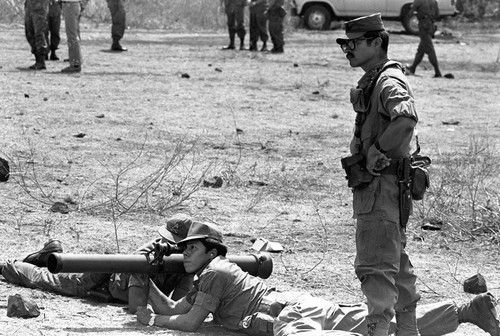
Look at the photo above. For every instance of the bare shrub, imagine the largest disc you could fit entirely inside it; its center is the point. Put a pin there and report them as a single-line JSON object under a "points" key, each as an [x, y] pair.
{"points": [[143, 183], [464, 190]]}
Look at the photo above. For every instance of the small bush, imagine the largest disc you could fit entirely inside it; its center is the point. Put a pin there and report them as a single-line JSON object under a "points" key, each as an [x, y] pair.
{"points": [[464, 191]]}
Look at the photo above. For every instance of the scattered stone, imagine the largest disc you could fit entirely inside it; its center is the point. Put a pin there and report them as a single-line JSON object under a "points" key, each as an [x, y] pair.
{"points": [[451, 122], [80, 135], [60, 207], [476, 284], [216, 183], [20, 306], [4, 170], [257, 183], [218, 69], [185, 75], [26, 95], [100, 116], [433, 225]]}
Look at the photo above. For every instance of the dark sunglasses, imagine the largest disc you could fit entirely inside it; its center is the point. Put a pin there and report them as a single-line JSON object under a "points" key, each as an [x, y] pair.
{"points": [[350, 45]]}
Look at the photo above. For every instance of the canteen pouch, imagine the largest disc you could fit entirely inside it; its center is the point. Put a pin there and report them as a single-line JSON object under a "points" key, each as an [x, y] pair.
{"points": [[357, 175]]}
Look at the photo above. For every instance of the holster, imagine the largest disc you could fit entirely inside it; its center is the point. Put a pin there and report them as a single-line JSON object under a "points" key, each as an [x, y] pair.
{"points": [[357, 175], [404, 181]]}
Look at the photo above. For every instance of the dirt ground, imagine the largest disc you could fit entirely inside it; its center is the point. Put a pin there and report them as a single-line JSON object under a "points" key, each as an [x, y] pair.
{"points": [[273, 126]]}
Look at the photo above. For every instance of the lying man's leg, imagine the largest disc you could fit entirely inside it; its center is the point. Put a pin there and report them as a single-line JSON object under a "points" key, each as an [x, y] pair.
{"points": [[31, 276]]}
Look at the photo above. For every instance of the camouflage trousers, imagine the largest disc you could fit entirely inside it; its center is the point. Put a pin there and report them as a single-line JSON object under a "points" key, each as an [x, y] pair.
{"points": [[35, 25]]}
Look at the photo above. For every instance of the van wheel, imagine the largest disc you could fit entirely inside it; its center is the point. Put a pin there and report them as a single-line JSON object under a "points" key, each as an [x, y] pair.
{"points": [[410, 21], [317, 18]]}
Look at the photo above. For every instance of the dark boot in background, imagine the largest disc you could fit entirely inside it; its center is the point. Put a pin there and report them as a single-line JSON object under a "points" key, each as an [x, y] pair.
{"points": [[116, 46], [231, 42], [53, 56], [39, 62], [264, 46]]}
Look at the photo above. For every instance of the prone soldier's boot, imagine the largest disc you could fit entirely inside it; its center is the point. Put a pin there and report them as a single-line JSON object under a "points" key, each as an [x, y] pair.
{"points": [[481, 312], [39, 258], [407, 324], [39, 62]]}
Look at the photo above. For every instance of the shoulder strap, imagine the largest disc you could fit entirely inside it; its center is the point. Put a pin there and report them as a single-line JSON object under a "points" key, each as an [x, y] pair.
{"points": [[367, 93]]}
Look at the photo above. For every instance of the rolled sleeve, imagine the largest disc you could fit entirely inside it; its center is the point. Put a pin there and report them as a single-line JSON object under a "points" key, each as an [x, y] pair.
{"points": [[396, 99]]}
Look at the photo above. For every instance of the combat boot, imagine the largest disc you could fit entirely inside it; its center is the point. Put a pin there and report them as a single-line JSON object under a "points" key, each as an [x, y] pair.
{"points": [[264, 46], [231, 43], [39, 62], [116, 46], [39, 258], [242, 44], [481, 312], [406, 324], [253, 46], [53, 56]]}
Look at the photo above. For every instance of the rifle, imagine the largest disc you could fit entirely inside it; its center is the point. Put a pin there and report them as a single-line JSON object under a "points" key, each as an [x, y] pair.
{"points": [[259, 264]]}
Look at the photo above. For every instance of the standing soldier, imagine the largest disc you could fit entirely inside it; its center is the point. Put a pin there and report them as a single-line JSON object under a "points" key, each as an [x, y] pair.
{"points": [[35, 26], [385, 121], [53, 29], [235, 11], [427, 12], [258, 24], [118, 23], [276, 14]]}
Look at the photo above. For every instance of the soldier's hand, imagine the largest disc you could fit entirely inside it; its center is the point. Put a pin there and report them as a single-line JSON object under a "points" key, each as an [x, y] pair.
{"points": [[145, 314], [376, 161]]}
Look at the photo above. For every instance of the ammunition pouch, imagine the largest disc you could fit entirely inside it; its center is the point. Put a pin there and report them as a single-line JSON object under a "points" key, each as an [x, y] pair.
{"points": [[358, 177], [419, 176]]}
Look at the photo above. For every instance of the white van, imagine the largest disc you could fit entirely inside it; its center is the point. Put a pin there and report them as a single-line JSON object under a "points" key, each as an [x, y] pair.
{"points": [[318, 14]]}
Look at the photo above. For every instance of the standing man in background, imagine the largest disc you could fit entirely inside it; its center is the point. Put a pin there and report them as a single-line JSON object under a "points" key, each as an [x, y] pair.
{"points": [[427, 13], [276, 14], [72, 11], [35, 26], [380, 149], [118, 23], [258, 24], [53, 29], [235, 11]]}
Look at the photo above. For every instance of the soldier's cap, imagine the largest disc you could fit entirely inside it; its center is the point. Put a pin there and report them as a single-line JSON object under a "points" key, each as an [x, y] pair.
{"points": [[176, 228], [359, 27], [201, 230]]}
